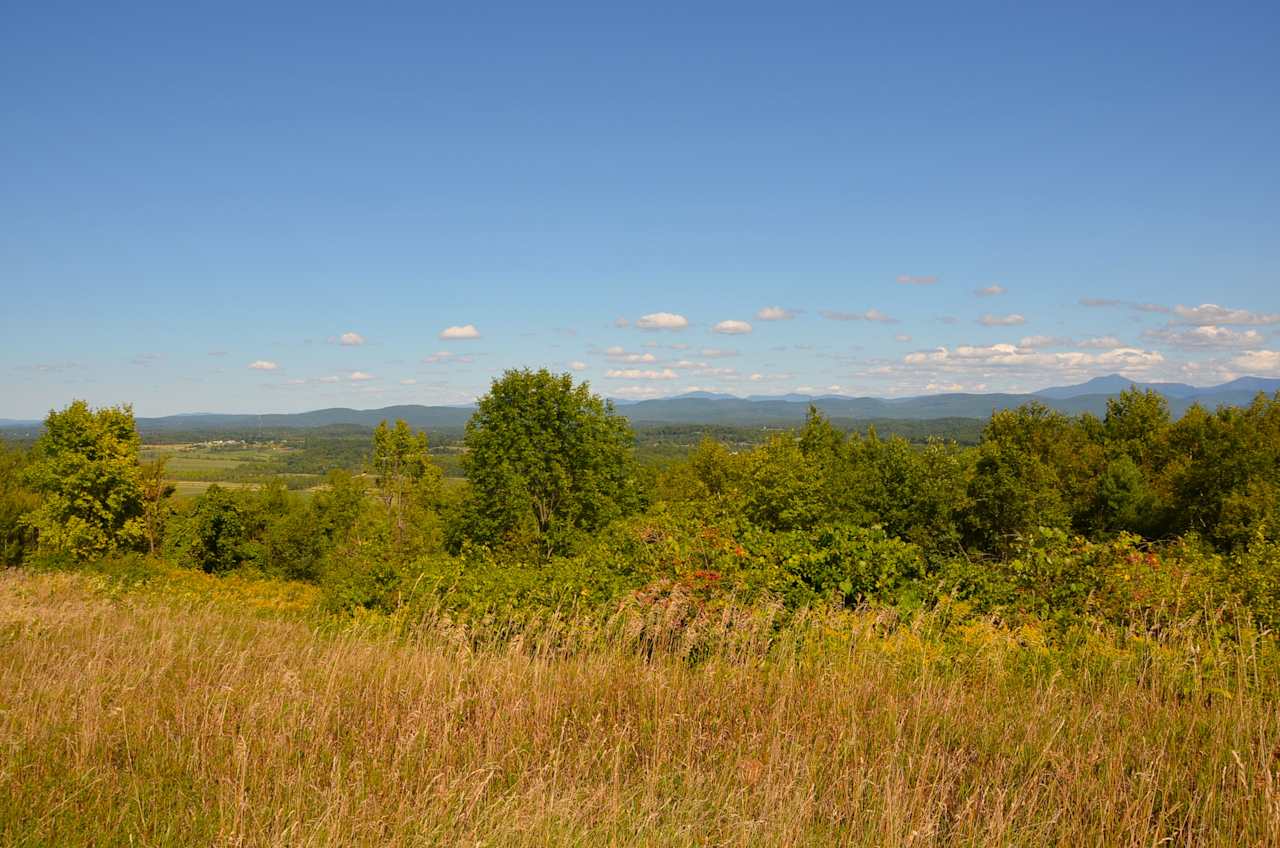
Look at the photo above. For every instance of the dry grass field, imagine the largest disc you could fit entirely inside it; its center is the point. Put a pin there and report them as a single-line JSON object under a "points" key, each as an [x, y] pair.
{"points": [[139, 719]]}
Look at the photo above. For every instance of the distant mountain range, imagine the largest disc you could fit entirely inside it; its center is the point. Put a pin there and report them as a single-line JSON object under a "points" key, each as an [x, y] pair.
{"points": [[756, 410]]}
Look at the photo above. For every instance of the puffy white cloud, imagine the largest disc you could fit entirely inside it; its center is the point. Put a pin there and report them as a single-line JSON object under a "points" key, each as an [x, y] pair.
{"points": [[732, 328], [641, 374], [577, 365], [1009, 320], [909, 280], [360, 377], [1211, 313], [1258, 362], [775, 313], [1206, 336], [1008, 355], [662, 321], [264, 365], [350, 339], [1101, 343], [870, 315], [990, 291], [466, 331]]}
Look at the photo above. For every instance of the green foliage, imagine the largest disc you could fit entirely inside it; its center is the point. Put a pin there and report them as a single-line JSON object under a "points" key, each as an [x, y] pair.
{"points": [[547, 462], [338, 506], [221, 531], [1018, 479], [840, 561], [408, 484], [85, 467], [17, 538], [1128, 519]]}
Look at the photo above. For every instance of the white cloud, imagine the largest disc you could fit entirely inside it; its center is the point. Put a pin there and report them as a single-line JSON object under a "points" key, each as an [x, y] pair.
{"points": [[360, 377], [446, 356], [263, 365], [1211, 313], [576, 365], [1010, 320], [409, 381], [1258, 362], [706, 369], [870, 315], [637, 392], [350, 339], [1102, 343], [1206, 336], [662, 321], [909, 280], [641, 374], [1046, 341], [732, 328], [716, 353], [990, 291], [1127, 304], [775, 313], [466, 331], [1006, 355], [621, 322], [332, 378], [620, 354], [902, 337]]}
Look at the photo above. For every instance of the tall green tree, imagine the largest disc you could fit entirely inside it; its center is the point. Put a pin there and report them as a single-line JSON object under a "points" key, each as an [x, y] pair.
{"points": [[407, 479], [1027, 475], [85, 467], [546, 460]]}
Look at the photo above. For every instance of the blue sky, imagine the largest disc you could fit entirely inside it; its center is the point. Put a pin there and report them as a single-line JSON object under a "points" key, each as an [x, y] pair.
{"points": [[199, 201]]}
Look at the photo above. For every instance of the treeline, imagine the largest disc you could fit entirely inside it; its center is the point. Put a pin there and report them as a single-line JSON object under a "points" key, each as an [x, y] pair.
{"points": [[1126, 516]]}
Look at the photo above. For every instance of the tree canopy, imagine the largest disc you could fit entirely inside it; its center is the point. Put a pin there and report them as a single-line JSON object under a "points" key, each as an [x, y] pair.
{"points": [[546, 460], [85, 465]]}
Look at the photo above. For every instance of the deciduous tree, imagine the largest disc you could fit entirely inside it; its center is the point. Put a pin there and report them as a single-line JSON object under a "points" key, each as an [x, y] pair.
{"points": [[547, 456], [85, 467]]}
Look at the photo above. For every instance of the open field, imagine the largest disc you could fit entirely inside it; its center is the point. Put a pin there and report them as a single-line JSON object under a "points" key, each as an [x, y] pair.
{"points": [[155, 718], [193, 467]]}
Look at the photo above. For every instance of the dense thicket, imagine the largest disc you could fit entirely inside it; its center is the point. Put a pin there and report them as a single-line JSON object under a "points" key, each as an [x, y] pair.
{"points": [[1047, 515]]}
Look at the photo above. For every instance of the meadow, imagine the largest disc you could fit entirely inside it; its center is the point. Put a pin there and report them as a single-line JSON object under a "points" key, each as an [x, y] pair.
{"points": [[1063, 635], [154, 716]]}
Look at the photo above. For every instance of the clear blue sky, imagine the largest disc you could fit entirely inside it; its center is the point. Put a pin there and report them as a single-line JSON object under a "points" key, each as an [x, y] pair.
{"points": [[191, 190]]}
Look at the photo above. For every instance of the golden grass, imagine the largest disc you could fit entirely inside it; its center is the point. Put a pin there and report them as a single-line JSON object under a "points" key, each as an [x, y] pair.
{"points": [[134, 721]]}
